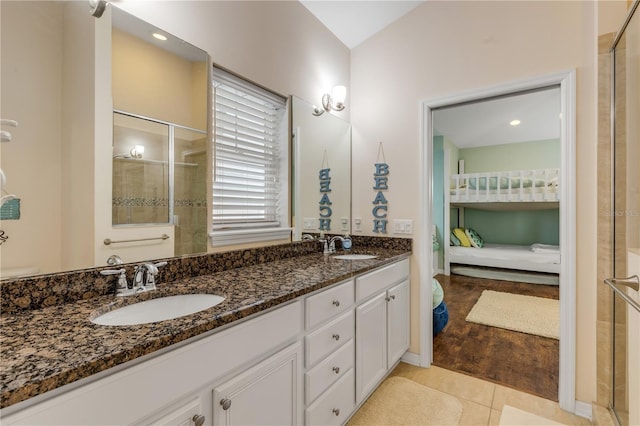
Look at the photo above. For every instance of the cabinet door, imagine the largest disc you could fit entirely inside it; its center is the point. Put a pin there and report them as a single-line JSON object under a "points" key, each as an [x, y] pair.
{"points": [[268, 394], [189, 414], [371, 345], [398, 321]]}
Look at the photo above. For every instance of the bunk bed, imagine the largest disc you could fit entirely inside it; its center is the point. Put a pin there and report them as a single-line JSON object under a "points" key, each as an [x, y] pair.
{"points": [[502, 190]]}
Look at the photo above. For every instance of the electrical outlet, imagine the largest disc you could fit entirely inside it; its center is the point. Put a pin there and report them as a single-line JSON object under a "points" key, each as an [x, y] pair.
{"points": [[310, 223], [403, 226], [357, 224], [344, 221]]}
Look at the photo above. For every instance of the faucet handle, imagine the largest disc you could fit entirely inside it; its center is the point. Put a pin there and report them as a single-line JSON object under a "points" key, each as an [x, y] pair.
{"points": [[114, 260], [113, 271], [123, 285]]}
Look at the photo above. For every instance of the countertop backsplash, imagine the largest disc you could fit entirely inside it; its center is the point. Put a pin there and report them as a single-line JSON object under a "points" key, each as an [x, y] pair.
{"points": [[43, 291]]}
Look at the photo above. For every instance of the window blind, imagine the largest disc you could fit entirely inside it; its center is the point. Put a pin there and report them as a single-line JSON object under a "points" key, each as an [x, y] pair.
{"points": [[246, 187]]}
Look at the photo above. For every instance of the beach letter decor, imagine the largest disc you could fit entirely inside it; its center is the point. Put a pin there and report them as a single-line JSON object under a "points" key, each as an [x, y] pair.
{"points": [[325, 202], [381, 179]]}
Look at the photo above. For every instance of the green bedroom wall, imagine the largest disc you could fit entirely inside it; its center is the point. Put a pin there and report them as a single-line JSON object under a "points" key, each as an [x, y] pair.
{"points": [[514, 156], [515, 227], [438, 193], [440, 144]]}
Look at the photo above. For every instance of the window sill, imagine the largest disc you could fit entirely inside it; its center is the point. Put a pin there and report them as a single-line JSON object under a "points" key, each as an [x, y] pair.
{"points": [[243, 236]]}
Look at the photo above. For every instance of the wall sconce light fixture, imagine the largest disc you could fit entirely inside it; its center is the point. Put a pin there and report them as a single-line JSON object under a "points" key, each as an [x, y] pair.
{"points": [[96, 7], [333, 101], [137, 151]]}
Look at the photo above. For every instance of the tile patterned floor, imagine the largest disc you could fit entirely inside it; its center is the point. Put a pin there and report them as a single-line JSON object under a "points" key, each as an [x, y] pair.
{"points": [[482, 401]]}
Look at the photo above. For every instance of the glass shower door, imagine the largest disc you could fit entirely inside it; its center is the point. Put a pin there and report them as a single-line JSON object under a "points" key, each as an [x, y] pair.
{"points": [[626, 202]]}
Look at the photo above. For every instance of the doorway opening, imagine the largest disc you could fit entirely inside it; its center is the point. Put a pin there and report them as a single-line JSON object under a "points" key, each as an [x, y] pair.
{"points": [[512, 185]]}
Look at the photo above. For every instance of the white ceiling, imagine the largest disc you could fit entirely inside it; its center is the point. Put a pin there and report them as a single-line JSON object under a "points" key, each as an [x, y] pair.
{"points": [[487, 122], [355, 21]]}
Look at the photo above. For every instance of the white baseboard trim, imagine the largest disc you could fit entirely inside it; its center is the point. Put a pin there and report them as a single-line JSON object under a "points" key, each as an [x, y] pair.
{"points": [[584, 409], [411, 358]]}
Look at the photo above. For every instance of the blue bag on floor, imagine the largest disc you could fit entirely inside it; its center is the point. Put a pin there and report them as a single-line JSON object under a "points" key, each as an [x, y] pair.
{"points": [[440, 317]]}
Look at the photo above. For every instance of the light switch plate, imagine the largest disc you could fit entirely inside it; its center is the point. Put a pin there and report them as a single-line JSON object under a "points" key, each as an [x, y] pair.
{"points": [[310, 223], [403, 226]]}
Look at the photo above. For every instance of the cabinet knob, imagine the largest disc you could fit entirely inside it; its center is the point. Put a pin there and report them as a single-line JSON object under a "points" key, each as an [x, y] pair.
{"points": [[336, 411], [336, 370], [226, 403], [336, 303], [336, 336], [387, 298], [198, 420], [393, 297]]}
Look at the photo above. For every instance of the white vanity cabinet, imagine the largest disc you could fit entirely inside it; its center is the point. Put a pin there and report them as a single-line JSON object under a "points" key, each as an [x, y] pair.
{"points": [[311, 361], [382, 324], [329, 355]]}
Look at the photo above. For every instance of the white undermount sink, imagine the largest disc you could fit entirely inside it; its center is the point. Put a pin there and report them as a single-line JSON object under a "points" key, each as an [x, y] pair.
{"points": [[355, 256], [160, 309]]}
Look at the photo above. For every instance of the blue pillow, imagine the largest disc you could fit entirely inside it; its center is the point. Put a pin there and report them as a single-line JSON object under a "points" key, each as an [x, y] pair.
{"points": [[454, 240]]}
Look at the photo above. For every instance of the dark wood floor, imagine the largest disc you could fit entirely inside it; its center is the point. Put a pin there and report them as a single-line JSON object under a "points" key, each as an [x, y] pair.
{"points": [[517, 360]]}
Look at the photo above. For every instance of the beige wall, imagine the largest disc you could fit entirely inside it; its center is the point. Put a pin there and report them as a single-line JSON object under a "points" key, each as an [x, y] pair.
{"points": [[32, 95], [444, 48], [145, 77]]}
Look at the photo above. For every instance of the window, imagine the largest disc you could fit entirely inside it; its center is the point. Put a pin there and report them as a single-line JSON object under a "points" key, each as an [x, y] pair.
{"points": [[250, 197]]}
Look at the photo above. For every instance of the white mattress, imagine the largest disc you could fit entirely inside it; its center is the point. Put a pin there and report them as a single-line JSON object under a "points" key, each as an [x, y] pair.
{"points": [[506, 256]]}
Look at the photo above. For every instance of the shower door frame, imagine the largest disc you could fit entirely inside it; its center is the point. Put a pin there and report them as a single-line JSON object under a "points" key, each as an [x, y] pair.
{"points": [[612, 53]]}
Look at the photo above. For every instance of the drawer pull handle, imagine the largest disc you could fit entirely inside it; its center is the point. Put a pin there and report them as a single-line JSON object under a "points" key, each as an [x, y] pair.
{"points": [[336, 336], [226, 403], [198, 419], [336, 370], [336, 303], [336, 411]]}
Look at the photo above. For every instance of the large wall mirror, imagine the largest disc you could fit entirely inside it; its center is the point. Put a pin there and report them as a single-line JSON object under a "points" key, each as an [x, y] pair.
{"points": [[152, 171], [322, 171], [93, 134]]}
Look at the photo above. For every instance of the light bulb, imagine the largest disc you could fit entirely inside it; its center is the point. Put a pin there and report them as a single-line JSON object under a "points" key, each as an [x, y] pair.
{"points": [[339, 94]]}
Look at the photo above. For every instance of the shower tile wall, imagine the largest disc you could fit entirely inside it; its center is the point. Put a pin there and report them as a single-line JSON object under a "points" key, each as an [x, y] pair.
{"points": [[190, 197], [605, 228], [140, 192]]}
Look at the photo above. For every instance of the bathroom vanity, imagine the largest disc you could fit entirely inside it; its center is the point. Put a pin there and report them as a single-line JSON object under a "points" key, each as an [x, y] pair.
{"points": [[303, 344]]}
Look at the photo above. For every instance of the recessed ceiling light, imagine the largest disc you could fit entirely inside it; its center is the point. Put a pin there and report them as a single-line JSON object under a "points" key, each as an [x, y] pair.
{"points": [[160, 36], [514, 122]]}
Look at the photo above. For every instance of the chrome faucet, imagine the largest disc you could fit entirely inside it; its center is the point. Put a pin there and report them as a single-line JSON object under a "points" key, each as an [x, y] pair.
{"points": [[332, 243], [307, 237], [144, 278]]}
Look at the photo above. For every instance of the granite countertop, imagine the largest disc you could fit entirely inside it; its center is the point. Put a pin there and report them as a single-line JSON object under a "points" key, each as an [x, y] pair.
{"points": [[44, 349]]}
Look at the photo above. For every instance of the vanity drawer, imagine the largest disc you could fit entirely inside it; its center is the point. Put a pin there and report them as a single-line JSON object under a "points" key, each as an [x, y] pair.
{"points": [[328, 304], [327, 339], [323, 375], [380, 279], [335, 405]]}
